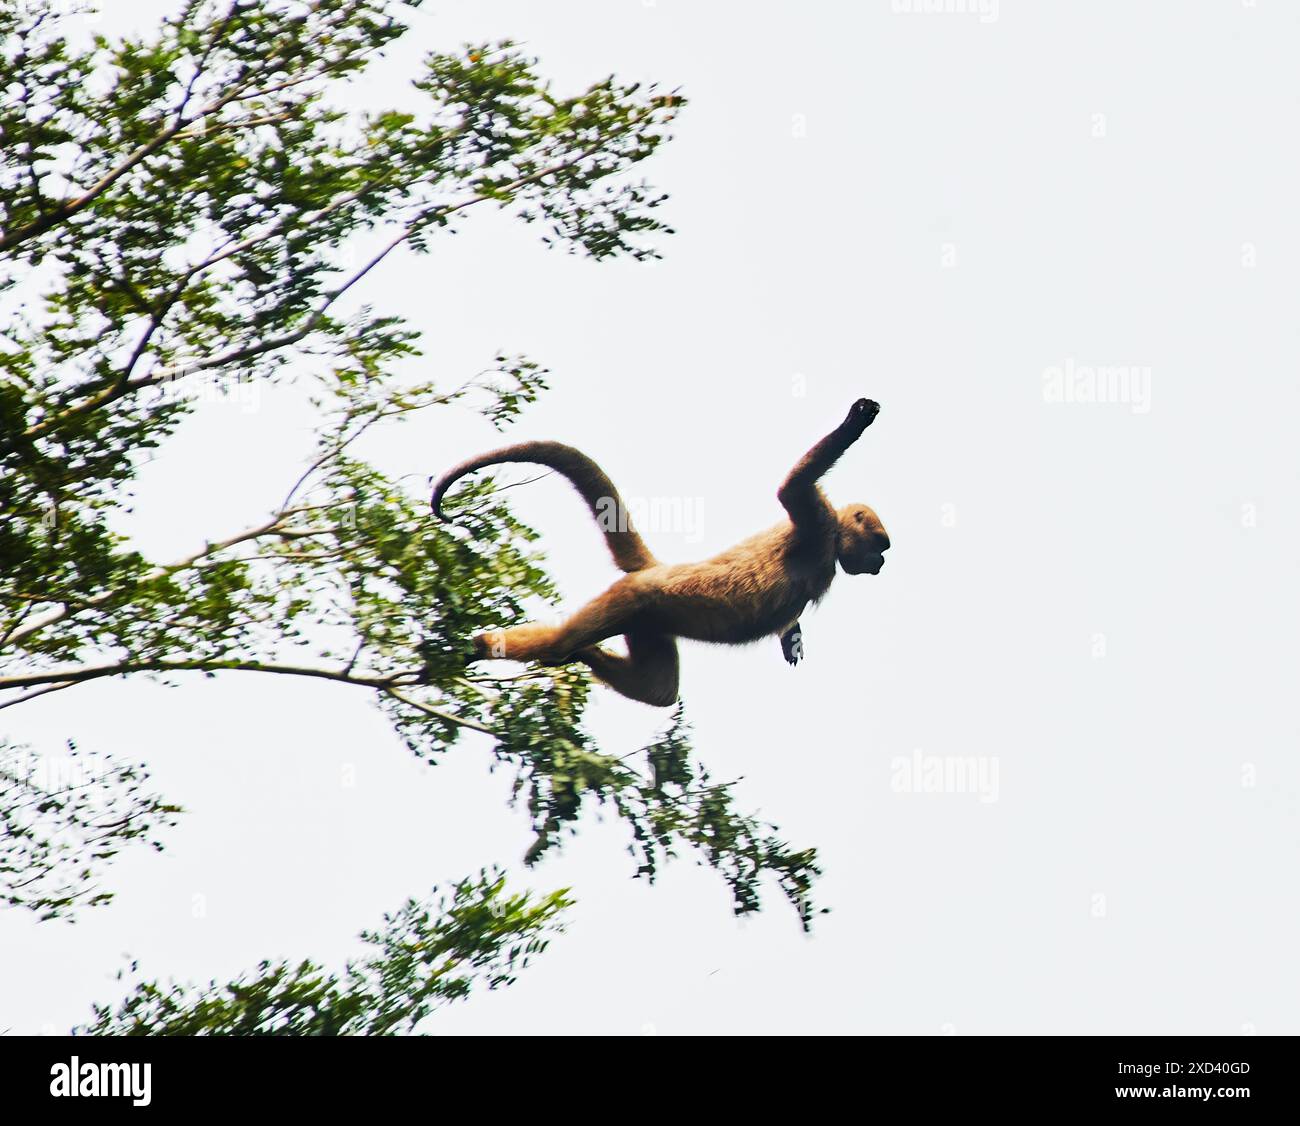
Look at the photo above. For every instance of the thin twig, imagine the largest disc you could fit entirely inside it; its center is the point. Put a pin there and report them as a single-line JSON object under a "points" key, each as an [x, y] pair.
{"points": [[438, 713], [39, 692]]}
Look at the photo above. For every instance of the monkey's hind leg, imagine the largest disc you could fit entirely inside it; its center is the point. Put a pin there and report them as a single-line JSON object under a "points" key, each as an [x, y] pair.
{"points": [[648, 673], [604, 616]]}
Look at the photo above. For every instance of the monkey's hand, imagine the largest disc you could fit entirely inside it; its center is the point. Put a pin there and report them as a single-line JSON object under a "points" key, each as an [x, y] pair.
{"points": [[792, 644], [861, 415]]}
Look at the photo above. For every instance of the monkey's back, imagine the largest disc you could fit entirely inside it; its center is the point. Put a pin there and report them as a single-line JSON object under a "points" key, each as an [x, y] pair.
{"points": [[750, 591]]}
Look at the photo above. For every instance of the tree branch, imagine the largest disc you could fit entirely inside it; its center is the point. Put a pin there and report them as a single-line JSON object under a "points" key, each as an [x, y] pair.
{"points": [[39, 692], [67, 608], [438, 713], [124, 387], [69, 677], [68, 208]]}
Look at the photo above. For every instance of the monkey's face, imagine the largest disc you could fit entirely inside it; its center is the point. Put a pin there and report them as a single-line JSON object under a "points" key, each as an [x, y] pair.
{"points": [[863, 540]]}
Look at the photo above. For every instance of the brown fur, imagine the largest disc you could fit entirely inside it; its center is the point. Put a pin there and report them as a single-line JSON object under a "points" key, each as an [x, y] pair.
{"points": [[753, 590]]}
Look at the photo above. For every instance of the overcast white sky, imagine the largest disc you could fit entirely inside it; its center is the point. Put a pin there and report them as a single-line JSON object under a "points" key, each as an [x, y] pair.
{"points": [[1096, 601]]}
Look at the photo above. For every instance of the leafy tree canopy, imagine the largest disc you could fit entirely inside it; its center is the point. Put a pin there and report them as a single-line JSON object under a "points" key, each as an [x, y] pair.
{"points": [[427, 955], [197, 204]]}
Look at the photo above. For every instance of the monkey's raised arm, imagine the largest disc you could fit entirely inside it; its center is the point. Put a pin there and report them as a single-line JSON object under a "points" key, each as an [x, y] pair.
{"points": [[798, 493]]}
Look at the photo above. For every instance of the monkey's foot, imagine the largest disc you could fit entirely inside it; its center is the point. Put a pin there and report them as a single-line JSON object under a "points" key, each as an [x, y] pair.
{"points": [[530, 642], [792, 644], [489, 646]]}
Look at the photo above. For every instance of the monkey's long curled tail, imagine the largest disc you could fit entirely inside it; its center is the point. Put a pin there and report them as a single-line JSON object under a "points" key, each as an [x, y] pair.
{"points": [[625, 545]]}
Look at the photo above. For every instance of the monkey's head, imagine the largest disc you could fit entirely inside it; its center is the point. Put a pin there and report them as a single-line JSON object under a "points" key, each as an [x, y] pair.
{"points": [[862, 541]]}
